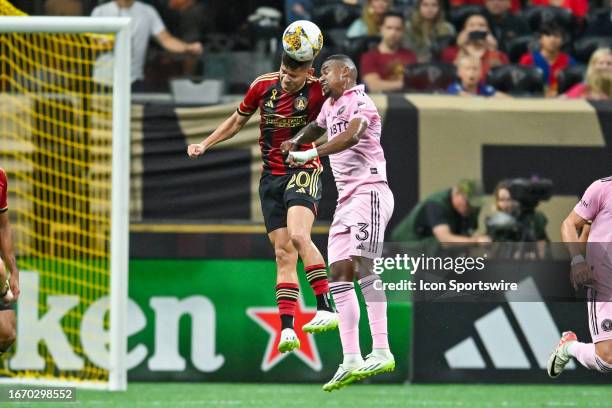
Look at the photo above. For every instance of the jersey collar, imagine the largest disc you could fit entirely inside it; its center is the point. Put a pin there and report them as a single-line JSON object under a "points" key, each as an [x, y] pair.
{"points": [[356, 88]]}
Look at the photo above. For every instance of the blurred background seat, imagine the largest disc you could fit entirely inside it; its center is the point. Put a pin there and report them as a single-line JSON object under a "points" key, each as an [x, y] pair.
{"points": [[428, 77], [517, 80], [585, 46], [196, 91], [570, 76]]}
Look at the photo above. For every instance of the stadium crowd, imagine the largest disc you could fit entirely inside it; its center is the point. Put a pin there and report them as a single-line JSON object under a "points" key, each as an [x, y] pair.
{"points": [[546, 48]]}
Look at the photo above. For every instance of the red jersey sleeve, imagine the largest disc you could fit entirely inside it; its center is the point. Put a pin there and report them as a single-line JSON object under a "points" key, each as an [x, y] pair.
{"points": [[251, 100], [3, 191]]}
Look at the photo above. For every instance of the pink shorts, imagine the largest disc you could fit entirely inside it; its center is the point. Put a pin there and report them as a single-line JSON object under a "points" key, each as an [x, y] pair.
{"points": [[600, 316], [359, 224]]}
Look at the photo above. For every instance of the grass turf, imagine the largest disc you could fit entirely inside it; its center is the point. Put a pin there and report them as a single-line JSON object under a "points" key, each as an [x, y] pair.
{"points": [[179, 395]]}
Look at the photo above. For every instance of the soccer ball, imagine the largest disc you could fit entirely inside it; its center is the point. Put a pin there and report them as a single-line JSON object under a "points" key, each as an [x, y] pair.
{"points": [[302, 40]]}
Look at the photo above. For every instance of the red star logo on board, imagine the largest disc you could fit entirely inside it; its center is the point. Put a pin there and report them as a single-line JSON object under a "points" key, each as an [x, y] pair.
{"points": [[268, 319]]}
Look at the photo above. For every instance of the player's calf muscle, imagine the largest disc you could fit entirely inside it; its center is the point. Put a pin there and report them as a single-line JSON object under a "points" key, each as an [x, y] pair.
{"points": [[604, 351], [8, 331]]}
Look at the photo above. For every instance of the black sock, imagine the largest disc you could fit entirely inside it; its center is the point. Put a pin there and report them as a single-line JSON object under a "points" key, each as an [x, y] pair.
{"points": [[286, 322], [324, 303]]}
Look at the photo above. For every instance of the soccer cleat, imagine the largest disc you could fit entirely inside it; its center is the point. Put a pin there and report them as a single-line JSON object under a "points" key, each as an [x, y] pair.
{"points": [[341, 379], [560, 357], [322, 321], [288, 341], [375, 364]]}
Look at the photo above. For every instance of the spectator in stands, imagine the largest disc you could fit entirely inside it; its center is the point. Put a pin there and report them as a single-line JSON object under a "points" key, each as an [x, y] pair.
{"points": [[469, 84], [426, 25], [598, 81], [382, 68], [298, 10], [448, 216], [371, 19], [504, 25], [515, 5], [549, 58], [63, 8], [579, 8], [190, 23], [145, 23], [476, 40]]}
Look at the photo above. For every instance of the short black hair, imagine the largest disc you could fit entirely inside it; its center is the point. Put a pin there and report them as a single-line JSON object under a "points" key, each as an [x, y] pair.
{"points": [[393, 13], [551, 28], [293, 63], [340, 57], [346, 60]]}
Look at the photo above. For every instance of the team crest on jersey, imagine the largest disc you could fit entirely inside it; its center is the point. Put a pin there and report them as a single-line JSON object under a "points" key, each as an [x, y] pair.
{"points": [[300, 103], [606, 325], [342, 109]]}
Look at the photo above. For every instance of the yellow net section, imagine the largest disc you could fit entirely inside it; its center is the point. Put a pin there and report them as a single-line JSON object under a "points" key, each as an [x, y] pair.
{"points": [[55, 145]]}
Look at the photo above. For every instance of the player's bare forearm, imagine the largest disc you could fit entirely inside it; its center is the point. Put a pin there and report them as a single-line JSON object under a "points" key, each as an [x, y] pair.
{"points": [[6, 245], [569, 233], [345, 140], [226, 130], [309, 133]]}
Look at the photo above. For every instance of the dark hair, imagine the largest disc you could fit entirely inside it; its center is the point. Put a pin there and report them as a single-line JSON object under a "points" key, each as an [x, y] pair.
{"points": [[393, 13], [476, 14], [294, 64], [550, 28]]}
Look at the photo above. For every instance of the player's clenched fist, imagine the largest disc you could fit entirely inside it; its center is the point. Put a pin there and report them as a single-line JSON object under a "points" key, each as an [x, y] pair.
{"points": [[195, 150]]}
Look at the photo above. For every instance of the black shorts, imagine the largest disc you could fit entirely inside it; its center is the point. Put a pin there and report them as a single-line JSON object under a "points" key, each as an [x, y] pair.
{"points": [[278, 193], [6, 306]]}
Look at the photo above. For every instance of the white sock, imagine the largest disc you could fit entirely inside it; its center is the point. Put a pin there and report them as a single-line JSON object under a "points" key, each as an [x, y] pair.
{"points": [[352, 359], [382, 353]]}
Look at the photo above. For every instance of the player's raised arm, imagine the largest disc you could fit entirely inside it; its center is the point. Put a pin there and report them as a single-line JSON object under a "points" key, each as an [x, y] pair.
{"points": [[226, 130]]}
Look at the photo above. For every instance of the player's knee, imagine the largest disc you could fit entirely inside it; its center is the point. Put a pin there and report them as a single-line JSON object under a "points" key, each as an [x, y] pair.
{"points": [[300, 240], [341, 272], [283, 256]]}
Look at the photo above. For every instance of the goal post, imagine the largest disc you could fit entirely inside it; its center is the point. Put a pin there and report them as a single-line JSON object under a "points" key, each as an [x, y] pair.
{"points": [[94, 260]]}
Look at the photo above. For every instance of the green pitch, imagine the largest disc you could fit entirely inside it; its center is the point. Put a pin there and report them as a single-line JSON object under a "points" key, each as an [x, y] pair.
{"points": [[179, 395]]}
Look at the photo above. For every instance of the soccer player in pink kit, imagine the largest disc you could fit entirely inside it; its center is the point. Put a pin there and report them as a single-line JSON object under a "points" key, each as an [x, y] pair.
{"points": [[365, 204], [595, 272]]}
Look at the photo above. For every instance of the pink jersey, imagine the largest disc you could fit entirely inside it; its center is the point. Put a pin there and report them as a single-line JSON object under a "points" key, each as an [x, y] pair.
{"points": [[596, 206], [365, 162]]}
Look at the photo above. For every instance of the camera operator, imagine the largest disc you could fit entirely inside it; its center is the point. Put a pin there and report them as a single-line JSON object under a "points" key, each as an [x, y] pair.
{"points": [[448, 216], [515, 218]]}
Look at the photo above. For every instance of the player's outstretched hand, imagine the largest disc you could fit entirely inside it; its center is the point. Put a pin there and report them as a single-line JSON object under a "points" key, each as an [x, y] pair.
{"points": [[581, 275], [288, 146], [195, 150]]}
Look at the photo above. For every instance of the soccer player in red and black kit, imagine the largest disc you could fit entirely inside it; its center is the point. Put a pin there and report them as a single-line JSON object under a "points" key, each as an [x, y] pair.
{"points": [[287, 100], [9, 288]]}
